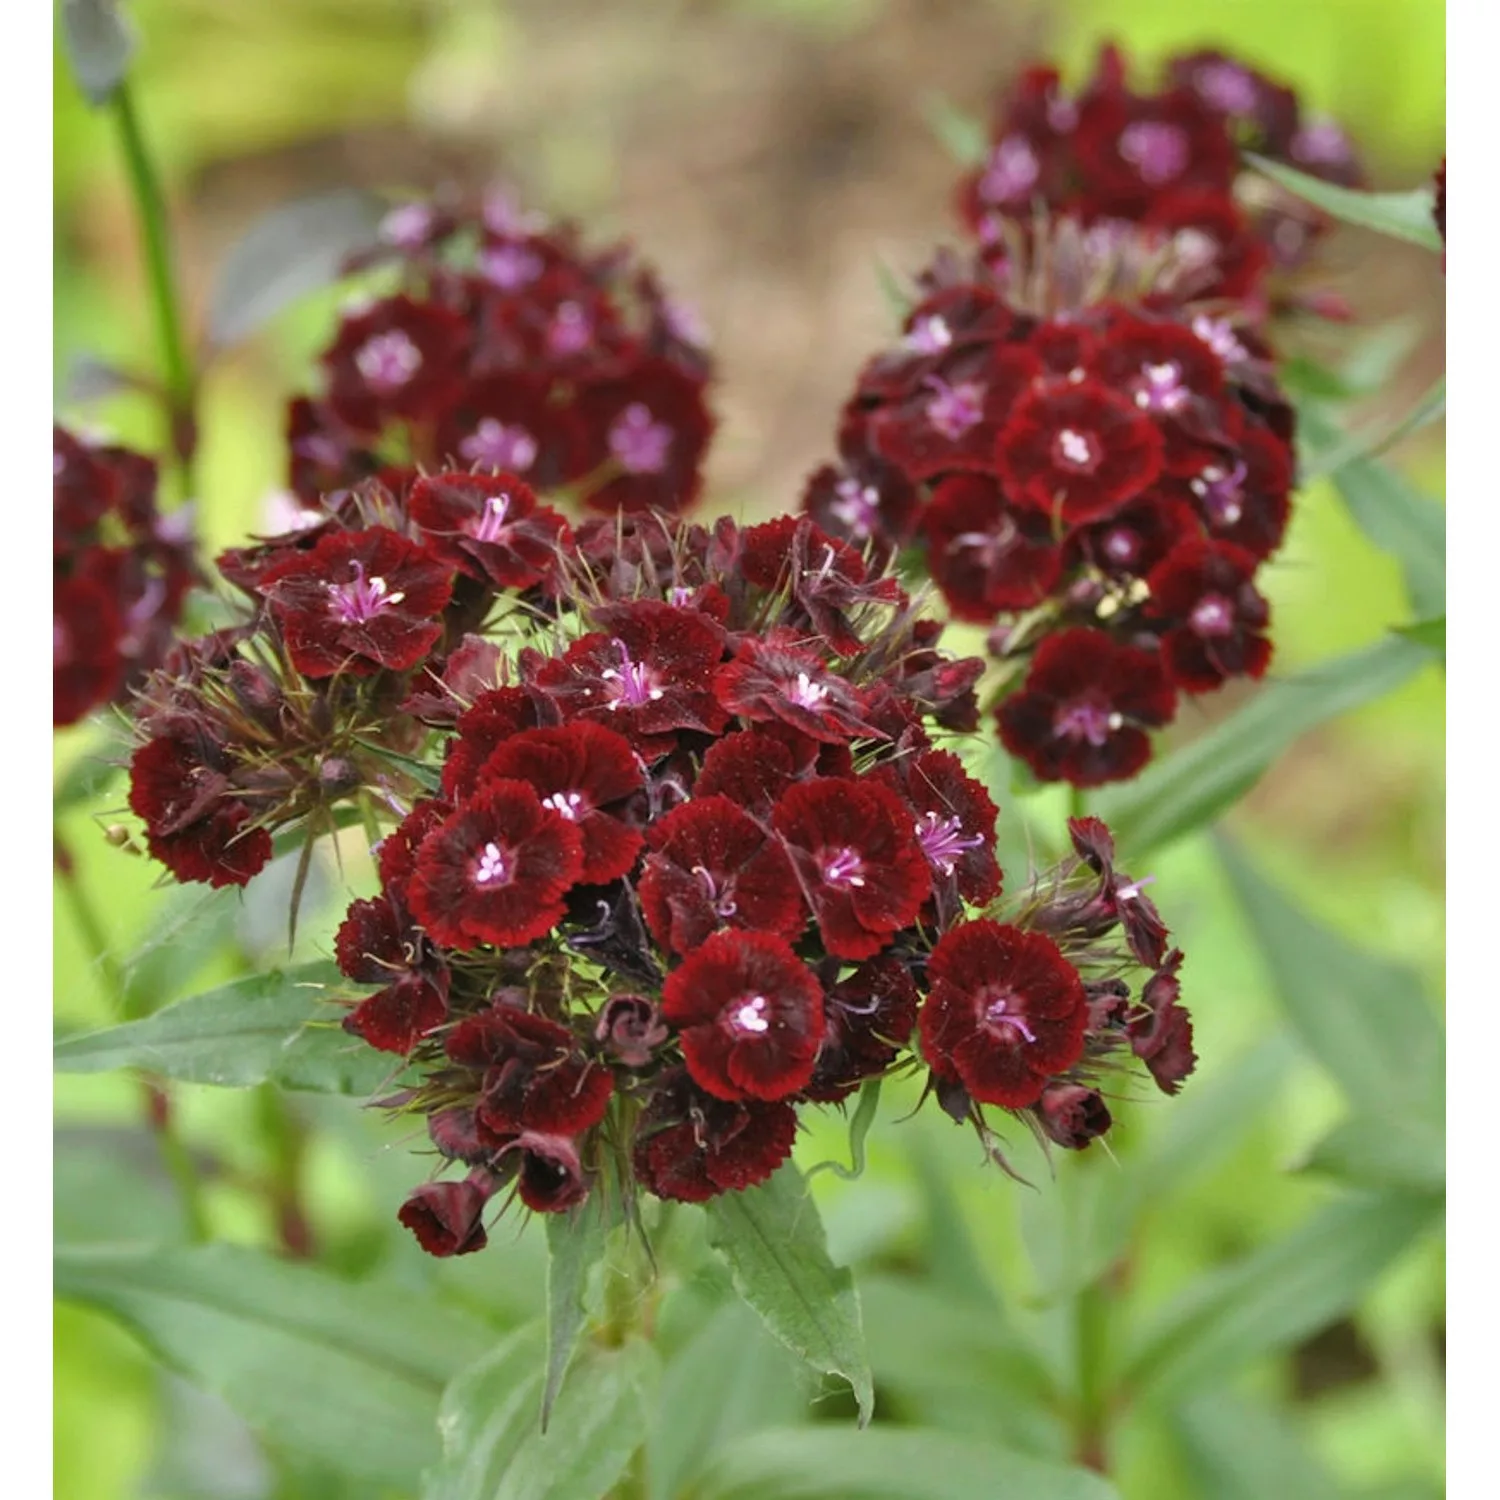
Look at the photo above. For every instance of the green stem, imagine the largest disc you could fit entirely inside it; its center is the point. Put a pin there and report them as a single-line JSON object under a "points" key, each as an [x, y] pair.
{"points": [[286, 1139], [89, 925], [1077, 803], [181, 384], [1091, 1333]]}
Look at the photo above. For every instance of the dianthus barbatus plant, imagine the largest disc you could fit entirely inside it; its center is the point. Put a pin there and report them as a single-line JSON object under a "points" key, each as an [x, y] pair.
{"points": [[508, 346], [691, 854], [1083, 455]]}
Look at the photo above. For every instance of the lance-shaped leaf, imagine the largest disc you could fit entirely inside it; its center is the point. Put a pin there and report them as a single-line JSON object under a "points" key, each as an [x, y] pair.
{"points": [[772, 1239], [1402, 216], [575, 1245], [278, 1027], [1189, 788], [1399, 1151], [347, 1374]]}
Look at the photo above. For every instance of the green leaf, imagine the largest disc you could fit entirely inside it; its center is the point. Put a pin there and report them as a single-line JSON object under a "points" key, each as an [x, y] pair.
{"points": [[1330, 456], [1189, 788], [494, 1448], [963, 135], [800, 1463], [1433, 634], [1277, 1296], [348, 1374], [1247, 1450], [295, 249], [1383, 1151], [575, 1244], [859, 1128], [1394, 515], [91, 775], [772, 1239], [99, 42], [1363, 1018], [1402, 216], [953, 1264], [277, 1026]]}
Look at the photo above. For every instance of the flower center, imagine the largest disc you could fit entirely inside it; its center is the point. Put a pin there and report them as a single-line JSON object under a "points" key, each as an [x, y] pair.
{"points": [[1013, 168], [943, 842], [844, 868], [805, 693], [1221, 494], [929, 335], [858, 506], [490, 525], [749, 1018], [1000, 1017], [1160, 387], [1219, 336], [388, 360], [319, 448], [1086, 719], [1079, 451], [510, 267], [500, 447], [1227, 87], [722, 902], [631, 683], [638, 441], [1156, 150], [1121, 546], [570, 330], [955, 408], [1213, 615], [570, 804], [362, 599], [493, 867], [1322, 142], [406, 227]]}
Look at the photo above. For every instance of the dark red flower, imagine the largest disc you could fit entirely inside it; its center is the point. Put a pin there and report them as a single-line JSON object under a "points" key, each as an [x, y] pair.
{"points": [[1215, 617], [446, 1217], [864, 501], [87, 667], [357, 602], [473, 667], [858, 860], [534, 1076], [400, 358], [630, 1029], [396, 853], [1162, 1036], [984, 555], [753, 766], [497, 870], [775, 680], [551, 1178], [1005, 1013], [493, 718], [868, 1020], [1238, 257], [649, 677], [1132, 149], [691, 1146], [488, 527], [750, 1014], [955, 821], [1076, 451], [377, 944], [1128, 544], [1082, 714], [396, 1018], [584, 772], [1071, 1115], [714, 866], [1246, 500], [508, 423]]}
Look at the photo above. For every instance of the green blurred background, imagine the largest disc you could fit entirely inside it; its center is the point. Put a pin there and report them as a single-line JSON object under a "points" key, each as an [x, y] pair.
{"points": [[766, 154]]}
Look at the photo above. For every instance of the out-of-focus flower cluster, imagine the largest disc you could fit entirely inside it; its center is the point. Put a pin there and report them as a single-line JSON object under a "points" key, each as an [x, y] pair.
{"points": [[507, 346], [120, 573]]}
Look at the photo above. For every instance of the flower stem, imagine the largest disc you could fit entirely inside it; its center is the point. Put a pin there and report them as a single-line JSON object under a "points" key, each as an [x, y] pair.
{"points": [[1091, 1421], [1077, 802], [177, 368]]}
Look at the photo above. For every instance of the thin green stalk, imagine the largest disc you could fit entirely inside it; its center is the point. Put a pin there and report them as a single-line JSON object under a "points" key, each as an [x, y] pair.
{"points": [[88, 923], [177, 366], [1077, 804], [1091, 1418]]}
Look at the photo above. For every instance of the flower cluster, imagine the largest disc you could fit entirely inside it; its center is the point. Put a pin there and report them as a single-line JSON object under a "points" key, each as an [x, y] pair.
{"points": [[1167, 163], [1098, 480], [507, 347], [695, 860], [120, 573]]}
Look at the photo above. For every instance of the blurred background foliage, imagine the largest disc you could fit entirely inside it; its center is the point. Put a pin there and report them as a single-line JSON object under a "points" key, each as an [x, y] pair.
{"points": [[767, 154]]}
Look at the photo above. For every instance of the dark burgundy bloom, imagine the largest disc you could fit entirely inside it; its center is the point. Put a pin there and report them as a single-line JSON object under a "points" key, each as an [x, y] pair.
{"points": [[194, 825], [753, 766], [400, 358], [1071, 1115], [711, 866], [87, 667], [1077, 450], [508, 423], [629, 1028], [377, 944], [955, 821], [865, 502], [1162, 1037], [551, 1178], [358, 602], [396, 853], [1084, 709], [396, 1018], [493, 718], [497, 870], [650, 428], [1128, 544], [584, 772], [489, 527], [1005, 1013], [1132, 149], [446, 1217], [1215, 617], [1248, 501], [775, 680], [534, 1076], [648, 677], [868, 1021], [858, 860], [473, 667], [985, 555], [691, 1146], [750, 1014]]}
